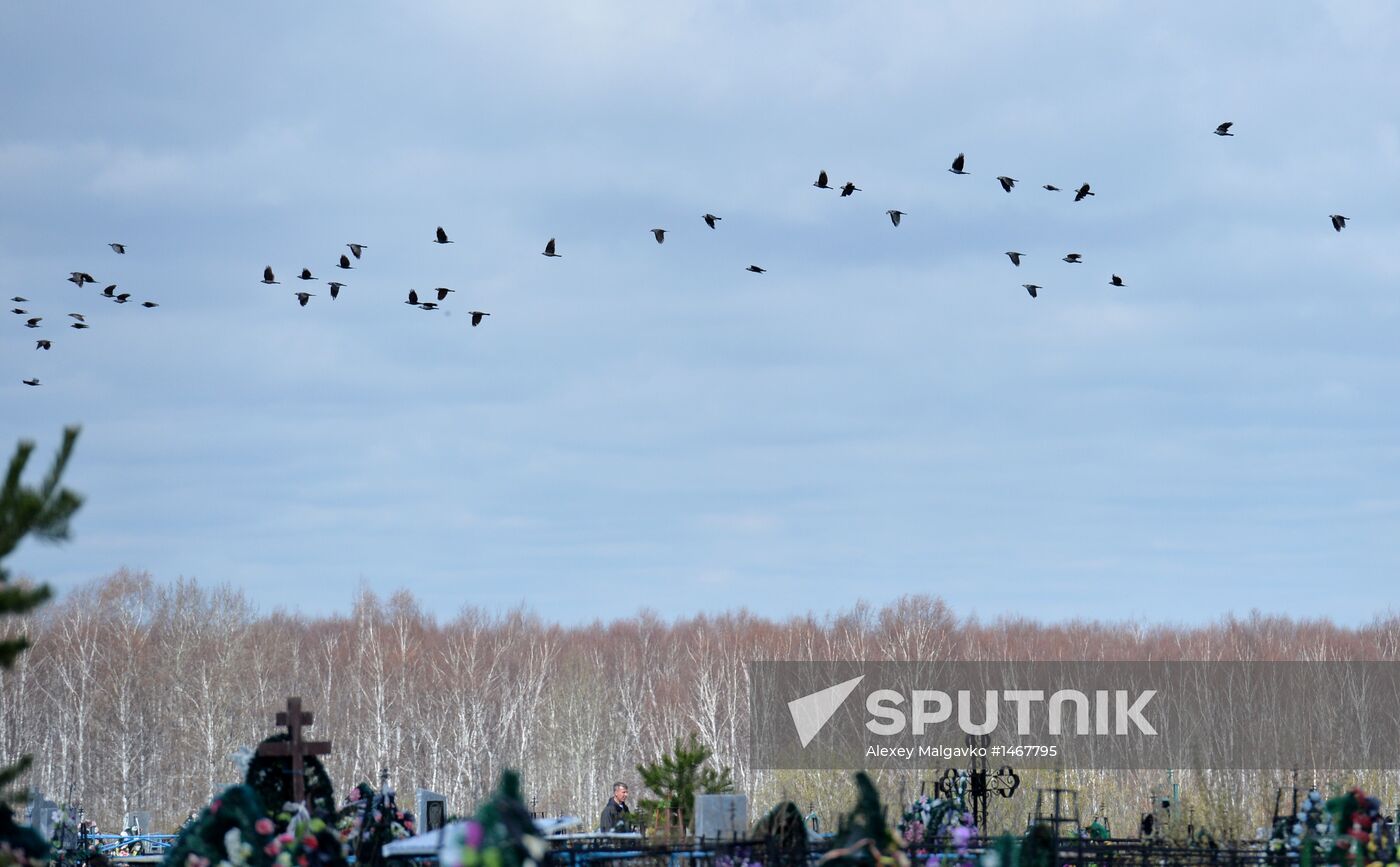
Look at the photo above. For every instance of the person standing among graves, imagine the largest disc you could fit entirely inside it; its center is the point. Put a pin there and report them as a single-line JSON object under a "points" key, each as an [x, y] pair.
{"points": [[616, 814]]}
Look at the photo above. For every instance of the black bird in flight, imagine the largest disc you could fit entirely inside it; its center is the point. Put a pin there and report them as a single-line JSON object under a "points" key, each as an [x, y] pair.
{"points": [[1006, 183], [849, 188], [77, 316], [1032, 288], [268, 278], [78, 278], [821, 183], [43, 344], [122, 297], [660, 235], [107, 293], [303, 297], [428, 305], [894, 216], [412, 297], [711, 219], [549, 250], [34, 323], [1015, 257], [305, 274], [1115, 280], [441, 237], [442, 292], [80, 325], [356, 249], [1339, 222], [476, 317], [119, 249], [19, 300], [1082, 192], [18, 312], [756, 269], [958, 164], [34, 381], [1224, 128], [149, 305], [344, 262], [335, 289], [1051, 187], [1074, 258]]}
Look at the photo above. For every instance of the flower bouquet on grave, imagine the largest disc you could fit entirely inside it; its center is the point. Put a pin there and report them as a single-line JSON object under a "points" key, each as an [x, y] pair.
{"points": [[1359, 839], [369, 820], [352, 814], [1308, 833], [306, 841], [501, 834], [933, 825], [230, 831]]}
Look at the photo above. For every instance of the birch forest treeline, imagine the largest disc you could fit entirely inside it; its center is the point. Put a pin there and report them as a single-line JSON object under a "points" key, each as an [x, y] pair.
{"points": [[137, 692]]}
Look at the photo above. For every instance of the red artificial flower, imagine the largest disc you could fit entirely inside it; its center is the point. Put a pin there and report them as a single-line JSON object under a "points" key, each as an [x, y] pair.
{"points": [[309, 841]]}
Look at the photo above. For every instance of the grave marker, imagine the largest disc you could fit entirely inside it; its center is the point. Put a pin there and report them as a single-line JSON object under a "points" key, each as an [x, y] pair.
{"points": [[294, 718]]}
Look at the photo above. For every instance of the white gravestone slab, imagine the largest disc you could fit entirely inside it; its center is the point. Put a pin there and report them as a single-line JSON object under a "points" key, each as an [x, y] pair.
{"points": [[431, 810]]}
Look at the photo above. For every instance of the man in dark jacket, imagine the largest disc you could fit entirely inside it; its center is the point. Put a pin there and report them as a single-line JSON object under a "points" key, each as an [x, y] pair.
{"points": [[616, 815]]}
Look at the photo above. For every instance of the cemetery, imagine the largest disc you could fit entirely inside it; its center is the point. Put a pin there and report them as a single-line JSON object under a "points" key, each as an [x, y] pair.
{"points": [[476, 800], [286, 813]]}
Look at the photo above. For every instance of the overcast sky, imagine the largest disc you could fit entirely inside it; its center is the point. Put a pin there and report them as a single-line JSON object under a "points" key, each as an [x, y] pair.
{"points": [[885, 411]]}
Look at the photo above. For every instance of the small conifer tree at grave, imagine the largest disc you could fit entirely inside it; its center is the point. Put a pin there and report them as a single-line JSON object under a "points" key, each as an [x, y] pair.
{"points": [[677, 777], [42, 513]]}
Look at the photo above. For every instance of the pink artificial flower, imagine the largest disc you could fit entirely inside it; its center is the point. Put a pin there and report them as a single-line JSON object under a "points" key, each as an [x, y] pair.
{"points": [[474, 835], [285, 838], [271, 849], [264, 826], [214, 807]]}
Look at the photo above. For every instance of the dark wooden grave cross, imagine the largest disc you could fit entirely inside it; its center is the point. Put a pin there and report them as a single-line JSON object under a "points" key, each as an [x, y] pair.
{"points": [[294, 718]]}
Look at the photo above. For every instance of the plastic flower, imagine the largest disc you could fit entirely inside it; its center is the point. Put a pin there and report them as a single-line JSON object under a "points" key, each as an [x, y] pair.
{"points": [[264, 826]]}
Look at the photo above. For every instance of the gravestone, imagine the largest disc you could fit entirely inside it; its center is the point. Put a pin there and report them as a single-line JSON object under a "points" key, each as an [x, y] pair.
{"points": [[43, 814], [138, 822], [721, 816], [431, 810]]}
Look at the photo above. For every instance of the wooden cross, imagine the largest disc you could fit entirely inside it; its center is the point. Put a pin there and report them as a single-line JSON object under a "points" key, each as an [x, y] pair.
{"points": [[294, 718]]}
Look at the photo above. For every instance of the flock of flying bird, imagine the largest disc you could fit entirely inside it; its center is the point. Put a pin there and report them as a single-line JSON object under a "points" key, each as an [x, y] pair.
{"points": [[357, 250], [79, 279], [958, 167]]}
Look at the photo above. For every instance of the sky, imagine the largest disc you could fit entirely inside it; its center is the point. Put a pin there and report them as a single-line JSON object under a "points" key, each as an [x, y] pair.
{"points": [[885, 411]]}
